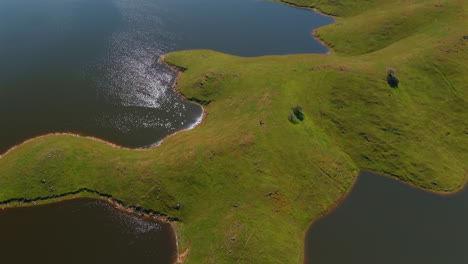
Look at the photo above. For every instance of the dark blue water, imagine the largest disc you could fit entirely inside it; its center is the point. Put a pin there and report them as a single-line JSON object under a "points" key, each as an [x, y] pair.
{"points": [[90, 66], [384, 221]]}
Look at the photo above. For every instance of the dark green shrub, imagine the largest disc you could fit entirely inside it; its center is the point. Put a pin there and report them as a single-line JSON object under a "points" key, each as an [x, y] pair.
{"points": [[297, 110], [391, 79]]}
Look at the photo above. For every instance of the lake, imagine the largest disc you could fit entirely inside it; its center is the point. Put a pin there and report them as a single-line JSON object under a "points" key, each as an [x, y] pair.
{"points": [[385, 221], [83, 231], [90, 66]]}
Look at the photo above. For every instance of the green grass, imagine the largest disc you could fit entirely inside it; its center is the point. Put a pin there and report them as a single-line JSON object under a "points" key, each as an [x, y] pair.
{"points": [[249, 191]]}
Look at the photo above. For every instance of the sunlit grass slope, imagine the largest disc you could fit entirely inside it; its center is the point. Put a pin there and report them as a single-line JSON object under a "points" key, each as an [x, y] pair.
{"points": [[248, 180]]}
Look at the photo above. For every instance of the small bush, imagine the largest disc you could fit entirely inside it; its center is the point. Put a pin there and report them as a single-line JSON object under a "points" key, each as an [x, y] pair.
{"points": [[297, 110], [391, 79], [292, 118], [297, 115]]}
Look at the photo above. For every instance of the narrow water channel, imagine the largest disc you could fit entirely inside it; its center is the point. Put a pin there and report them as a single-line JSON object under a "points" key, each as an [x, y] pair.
{"points": [[386, 222], [82, 231]]}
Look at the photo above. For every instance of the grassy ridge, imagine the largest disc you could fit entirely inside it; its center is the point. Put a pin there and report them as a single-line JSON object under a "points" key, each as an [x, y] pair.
{"points": [[248, 191]]}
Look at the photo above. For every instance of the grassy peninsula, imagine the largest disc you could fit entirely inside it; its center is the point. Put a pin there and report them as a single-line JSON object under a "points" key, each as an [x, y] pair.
{"points": [[248, 182]]}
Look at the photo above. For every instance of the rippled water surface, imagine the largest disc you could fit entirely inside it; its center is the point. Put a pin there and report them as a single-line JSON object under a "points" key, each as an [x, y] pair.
{"points": [[82, 231], [90, 66], [386, 222]]}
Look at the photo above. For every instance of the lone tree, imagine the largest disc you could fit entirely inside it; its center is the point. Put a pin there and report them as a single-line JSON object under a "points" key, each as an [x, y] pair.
{"points": [[391, 79]]}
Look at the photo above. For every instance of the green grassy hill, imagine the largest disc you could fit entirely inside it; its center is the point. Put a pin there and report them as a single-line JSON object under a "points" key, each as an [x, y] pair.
{"points": [[248, 191]]}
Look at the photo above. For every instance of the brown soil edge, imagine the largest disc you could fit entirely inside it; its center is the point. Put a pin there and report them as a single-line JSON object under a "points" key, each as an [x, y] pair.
{"points": [[120, 206], [321, 41], [183, 257], [419, 188], [88, 193]]}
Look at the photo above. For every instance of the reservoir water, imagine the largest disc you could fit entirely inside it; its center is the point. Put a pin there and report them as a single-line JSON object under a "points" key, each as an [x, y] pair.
{"points": [[90, 66], [385, 221], [82, 231]]}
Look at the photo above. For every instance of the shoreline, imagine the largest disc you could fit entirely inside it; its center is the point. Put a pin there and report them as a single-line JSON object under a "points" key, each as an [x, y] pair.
{"points": [[85, 193], [136, 211], [343, 197], [327, 212], [456, 191], [306, 7], [115, 145], [314, 32], [91, 194], [178, 71], [340, 201], [322, 42], [117, 204]]}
